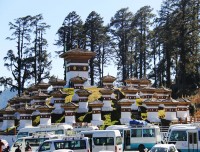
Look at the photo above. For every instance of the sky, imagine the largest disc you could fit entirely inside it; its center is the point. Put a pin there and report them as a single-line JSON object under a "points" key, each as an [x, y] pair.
{"points": [[54, 12]]}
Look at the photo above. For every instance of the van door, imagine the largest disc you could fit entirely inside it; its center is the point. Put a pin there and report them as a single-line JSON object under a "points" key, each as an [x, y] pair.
{"points": [[126, 140], [105, 141], [90, 141], [192, 140], [46, 147]]}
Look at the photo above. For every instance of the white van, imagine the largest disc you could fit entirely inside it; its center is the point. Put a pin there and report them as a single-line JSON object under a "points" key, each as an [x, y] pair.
{"points": [[185, 137], [57, 129], [77, 144], [34, 141], [104, 140]]}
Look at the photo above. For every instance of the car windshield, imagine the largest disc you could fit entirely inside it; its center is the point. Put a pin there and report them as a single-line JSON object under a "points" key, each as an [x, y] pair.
{"points": [[74, 145], [22, 134], [158, 149], [178, 135]]}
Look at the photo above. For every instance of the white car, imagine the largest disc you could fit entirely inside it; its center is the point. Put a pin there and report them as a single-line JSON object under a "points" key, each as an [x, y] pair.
{"points": [[164, 148]]}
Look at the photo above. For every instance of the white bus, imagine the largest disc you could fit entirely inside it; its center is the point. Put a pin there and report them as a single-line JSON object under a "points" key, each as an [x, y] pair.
{"points": [[185, 137], [104, 140], [139, 136], [57, 129]]}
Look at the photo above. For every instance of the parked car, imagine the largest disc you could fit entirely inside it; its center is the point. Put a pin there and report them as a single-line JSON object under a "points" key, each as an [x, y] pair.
{"points": [[164, 148]]}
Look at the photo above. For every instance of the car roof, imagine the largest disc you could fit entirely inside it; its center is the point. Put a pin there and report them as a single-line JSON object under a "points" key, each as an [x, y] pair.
{"points": [[164, 145], [63, 150], [72, 139]]}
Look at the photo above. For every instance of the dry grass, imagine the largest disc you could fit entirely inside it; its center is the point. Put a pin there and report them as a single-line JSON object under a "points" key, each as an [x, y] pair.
{"points": [[196, 98], [95, 93]]}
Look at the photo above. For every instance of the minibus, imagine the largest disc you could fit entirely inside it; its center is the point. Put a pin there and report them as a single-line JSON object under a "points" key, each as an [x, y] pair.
{"points": [[138, 135], [104, 140]]}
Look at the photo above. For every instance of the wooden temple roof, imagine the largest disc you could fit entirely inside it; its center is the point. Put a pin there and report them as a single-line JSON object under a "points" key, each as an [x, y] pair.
{"points": [[78, 80], [77, 53], [83, 93], [108, 79]]}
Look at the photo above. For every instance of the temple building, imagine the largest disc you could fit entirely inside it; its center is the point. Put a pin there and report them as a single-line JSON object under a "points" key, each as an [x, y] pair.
{"points": [[96, 113], [139, 99], [77, 61]]}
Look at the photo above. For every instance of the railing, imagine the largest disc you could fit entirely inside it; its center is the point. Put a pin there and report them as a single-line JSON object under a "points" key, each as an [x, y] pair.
{"points": [[194, 119], [191, 119], [164, 128]]}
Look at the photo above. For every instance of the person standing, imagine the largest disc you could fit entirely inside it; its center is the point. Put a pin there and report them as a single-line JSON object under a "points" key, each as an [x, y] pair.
{"points": [[1, 144], [18, 149], [28, 147], [7, 149]]}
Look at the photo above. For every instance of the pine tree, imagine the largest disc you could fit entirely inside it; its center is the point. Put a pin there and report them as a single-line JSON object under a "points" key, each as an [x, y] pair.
{"points": [[96, 37], [18, 64], [70, 35], [120, 27], [42, 65]]}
